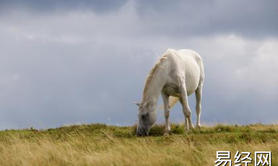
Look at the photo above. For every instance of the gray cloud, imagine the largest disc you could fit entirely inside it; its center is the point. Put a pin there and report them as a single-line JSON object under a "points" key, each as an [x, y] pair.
{"points": [[255, 19], [99, 6], [80, 66], [186, 18]]}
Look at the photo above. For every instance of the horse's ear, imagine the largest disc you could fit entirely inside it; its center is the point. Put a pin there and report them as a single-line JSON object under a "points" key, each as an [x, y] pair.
{"points": [[146, 104], [138, 104]]}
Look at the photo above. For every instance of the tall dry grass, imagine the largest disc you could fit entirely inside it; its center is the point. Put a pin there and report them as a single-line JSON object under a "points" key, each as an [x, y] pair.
{"points": [[109, 145]]}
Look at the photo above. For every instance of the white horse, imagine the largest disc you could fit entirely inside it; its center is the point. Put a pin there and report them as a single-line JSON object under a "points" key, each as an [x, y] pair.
{"points": [[178, 74]]}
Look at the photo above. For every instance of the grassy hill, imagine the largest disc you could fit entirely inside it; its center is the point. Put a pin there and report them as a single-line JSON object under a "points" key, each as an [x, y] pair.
{"points": [[98, 144]]}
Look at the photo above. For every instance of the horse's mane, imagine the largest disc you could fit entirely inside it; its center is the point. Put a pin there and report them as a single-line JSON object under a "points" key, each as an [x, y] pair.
{"points": [[152, 73]]}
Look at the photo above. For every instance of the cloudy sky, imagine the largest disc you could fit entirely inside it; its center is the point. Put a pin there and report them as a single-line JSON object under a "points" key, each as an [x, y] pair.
{"points": [[70, 62]]}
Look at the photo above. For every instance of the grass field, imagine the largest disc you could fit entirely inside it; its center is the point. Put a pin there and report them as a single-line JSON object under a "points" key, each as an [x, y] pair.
{"points": [[98, 144]]}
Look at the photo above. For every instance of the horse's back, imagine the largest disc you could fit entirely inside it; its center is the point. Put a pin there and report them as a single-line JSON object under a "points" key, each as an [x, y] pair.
{"points": [[185, 55]]}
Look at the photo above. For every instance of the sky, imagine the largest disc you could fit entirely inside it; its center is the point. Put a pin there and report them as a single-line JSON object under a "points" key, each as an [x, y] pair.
{"points": [[73, 62]]}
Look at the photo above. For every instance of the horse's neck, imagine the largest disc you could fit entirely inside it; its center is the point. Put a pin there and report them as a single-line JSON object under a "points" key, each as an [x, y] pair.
{"points": [[153, 89]]}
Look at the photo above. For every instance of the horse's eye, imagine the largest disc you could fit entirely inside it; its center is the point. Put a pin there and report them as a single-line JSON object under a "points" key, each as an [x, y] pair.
{"points": [[145, 116]]}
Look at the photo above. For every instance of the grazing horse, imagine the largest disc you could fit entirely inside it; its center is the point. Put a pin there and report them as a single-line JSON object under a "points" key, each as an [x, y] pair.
{"points": [[176, 75]]}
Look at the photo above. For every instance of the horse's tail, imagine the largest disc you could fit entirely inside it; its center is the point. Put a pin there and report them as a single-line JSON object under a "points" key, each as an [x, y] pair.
{"points": [[172, 101]]}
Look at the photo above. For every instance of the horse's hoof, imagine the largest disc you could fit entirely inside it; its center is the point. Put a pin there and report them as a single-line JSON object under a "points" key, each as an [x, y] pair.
{"points": [[186, 130], [166, 134]]}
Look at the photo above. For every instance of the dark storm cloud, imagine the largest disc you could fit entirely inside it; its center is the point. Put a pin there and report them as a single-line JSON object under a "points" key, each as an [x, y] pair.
{"points": [[58, 5], [248, 18], [176, 18]]}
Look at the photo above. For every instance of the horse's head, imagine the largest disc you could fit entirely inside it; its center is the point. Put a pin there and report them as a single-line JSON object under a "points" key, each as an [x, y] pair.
{"points": [[146, 118]]}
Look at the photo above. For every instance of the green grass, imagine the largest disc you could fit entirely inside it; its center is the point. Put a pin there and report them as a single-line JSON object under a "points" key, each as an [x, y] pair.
{"points": [[99, 144]]}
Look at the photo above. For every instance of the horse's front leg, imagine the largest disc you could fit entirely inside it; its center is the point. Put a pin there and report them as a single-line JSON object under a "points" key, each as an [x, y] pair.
{"points": [[165, 99]]}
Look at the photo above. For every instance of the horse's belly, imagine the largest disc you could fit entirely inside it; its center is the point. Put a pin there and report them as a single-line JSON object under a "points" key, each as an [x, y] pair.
{"points": [[171, 90]]}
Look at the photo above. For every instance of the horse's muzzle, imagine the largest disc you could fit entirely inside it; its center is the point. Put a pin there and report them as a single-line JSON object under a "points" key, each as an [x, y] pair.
{"points": [[142, 132]]}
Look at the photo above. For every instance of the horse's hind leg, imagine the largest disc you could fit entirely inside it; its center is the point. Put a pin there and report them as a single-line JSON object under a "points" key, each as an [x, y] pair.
{"points": [[198, 94], [166, 112], [185, 106]]}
